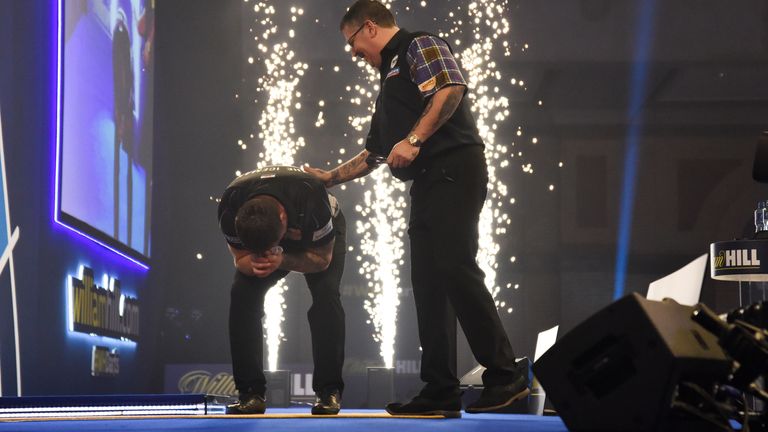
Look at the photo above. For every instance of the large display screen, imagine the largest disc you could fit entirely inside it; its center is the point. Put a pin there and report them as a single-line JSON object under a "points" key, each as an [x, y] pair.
{"points": [[4, 228], [104, 154]]}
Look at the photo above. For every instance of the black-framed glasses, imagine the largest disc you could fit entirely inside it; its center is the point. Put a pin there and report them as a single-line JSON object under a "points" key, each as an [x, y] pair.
{"points": [[351, 40]]}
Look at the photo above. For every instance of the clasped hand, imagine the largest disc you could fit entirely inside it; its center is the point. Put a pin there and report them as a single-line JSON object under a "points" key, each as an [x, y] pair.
{"points": [[265, 264]]}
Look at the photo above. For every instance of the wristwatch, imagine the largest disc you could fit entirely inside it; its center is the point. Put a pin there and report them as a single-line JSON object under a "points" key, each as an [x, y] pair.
{"points": [[414, 140]]}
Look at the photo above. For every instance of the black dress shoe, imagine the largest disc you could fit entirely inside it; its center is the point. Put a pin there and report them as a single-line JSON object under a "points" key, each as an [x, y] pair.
{"points": [[327, 402], [449, 407], [498, 397], [249, 403]]}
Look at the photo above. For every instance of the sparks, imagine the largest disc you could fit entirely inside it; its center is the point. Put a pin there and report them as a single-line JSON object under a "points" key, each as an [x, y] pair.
{"points": [[279, 81]]}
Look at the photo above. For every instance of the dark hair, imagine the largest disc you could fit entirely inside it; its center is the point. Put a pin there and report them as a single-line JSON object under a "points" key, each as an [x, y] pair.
{"points": [[362, 10], [258, 224]]}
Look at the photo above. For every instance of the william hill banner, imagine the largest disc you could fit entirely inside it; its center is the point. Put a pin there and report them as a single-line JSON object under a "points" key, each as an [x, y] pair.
{"points": [[739, 260], [102, 311], [200, 378]]}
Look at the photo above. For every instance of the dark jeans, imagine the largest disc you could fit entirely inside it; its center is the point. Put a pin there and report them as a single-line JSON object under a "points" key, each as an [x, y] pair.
{"points": [[446, 201], [326, 322]]}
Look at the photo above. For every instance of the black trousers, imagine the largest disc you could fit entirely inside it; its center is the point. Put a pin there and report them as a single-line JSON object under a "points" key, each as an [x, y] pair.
{"points": [[446, 201], [326, 322]]}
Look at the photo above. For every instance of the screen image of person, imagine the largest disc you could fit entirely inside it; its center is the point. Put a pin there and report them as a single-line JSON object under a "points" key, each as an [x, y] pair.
{"points": [[106, 145]]}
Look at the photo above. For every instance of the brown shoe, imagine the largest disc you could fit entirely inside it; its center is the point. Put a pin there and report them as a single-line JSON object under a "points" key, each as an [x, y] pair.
{"points": [[328, 402], [449, 407], [498, 397], [250, 403]]}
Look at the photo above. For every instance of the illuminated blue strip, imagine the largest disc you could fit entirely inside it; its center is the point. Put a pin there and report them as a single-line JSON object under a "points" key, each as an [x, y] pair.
{"points": [[57, 29], [5, 229], [57, 32], [639, 83], [109, 405]]}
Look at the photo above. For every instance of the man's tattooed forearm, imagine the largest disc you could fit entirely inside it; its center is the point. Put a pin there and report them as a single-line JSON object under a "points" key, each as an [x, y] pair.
{"points": [[427, 109], [303, 262], [349, 170], [449, 106], [334, 178]]}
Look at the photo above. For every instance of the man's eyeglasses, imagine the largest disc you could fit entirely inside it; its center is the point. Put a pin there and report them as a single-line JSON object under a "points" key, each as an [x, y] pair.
{"points": [[351, 40]]}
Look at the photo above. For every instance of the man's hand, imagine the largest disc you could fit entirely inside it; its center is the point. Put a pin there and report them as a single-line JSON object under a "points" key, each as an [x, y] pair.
{"points": [[354, 168], [402, 154], [250, 264], [260, 266], [322, 175]]}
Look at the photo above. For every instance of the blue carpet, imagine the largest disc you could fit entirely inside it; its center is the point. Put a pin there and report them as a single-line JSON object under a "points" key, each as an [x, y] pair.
{"points": [[468, 423]]}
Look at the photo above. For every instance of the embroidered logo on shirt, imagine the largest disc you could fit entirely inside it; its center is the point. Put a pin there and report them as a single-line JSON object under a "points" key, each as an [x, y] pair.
{"points": [[428, 84], [317, 235], [393, 62], [393, 72]]}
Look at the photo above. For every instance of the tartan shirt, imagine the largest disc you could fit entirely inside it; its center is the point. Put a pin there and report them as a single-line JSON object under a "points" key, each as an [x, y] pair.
{"points": [[432, 65]]}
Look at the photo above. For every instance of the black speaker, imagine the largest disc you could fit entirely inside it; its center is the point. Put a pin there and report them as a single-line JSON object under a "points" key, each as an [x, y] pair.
{"points": [[278, 388], [619, 369], [381, 386]]}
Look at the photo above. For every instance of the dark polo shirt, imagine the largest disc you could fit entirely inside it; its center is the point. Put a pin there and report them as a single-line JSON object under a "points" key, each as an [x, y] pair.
{"points": [[304, 198], [401, 103]]}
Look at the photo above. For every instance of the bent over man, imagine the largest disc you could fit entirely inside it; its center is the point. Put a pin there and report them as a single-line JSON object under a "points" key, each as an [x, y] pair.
{"points": [[276, 220]]}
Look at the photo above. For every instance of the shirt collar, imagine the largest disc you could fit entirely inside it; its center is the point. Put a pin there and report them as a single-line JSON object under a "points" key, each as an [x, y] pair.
{"points": [[392, 48]]}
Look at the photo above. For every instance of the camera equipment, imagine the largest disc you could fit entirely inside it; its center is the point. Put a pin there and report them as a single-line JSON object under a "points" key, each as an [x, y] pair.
{"points": [[746, 344]]}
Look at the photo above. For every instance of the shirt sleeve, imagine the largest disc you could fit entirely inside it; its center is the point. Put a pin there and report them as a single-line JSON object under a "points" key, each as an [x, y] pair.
{"points": [[227, 220], [324, 234], [322, 225], [432, 65], [371, 141]]}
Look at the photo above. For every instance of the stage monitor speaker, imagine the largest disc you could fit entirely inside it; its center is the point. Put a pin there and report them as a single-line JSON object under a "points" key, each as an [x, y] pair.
{"points": [[619, 369], [278, 388], [381, 386]]}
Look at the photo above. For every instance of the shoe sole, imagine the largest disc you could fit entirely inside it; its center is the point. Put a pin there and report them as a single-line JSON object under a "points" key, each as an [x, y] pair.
{"points": [[444, 413], [509, 402], [244, 413], [324, 412]]}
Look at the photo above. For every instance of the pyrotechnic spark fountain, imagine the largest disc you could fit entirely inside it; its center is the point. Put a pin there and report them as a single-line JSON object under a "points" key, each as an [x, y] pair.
{"points": [[279, 81], [381, 227], [485, 23]]}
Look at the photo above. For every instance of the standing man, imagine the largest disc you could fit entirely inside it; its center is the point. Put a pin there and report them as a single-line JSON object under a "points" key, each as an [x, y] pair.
{"points": [[276, 220], [124, 97], [422, 127]]}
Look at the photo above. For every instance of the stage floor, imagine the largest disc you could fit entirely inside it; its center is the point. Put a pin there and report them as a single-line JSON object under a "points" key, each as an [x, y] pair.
{"points": [[296, 420]]}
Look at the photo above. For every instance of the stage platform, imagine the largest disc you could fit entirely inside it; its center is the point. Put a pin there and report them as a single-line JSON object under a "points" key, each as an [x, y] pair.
{"points": [[291, 420]]}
